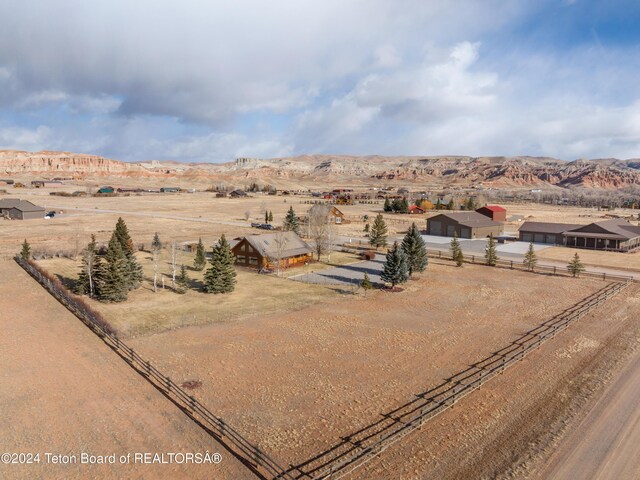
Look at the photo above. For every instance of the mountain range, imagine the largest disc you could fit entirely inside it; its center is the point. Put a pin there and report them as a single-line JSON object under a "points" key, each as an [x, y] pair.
{"points": [[306, 170]]}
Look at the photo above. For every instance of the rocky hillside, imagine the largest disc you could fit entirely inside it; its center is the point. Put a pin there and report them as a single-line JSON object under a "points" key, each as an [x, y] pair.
{"points": [[307, 169]]}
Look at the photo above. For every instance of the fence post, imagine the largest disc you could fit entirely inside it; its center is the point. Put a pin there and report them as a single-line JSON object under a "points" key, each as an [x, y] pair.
{"points": [[554, 269], [167, 381], [511, 264], [148, 365], [473, 259]]}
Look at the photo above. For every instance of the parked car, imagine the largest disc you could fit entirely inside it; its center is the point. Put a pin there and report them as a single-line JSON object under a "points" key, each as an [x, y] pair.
{"points": [[256, 225], [267, 226], [50, 214]]}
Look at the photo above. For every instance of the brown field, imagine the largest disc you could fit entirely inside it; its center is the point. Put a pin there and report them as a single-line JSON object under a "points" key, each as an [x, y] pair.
{"points": [[296, 366], [299, 381], [65, 392]]}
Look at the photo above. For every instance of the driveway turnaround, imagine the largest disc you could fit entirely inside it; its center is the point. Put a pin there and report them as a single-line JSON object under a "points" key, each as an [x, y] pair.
{"points": [[346, 274]]}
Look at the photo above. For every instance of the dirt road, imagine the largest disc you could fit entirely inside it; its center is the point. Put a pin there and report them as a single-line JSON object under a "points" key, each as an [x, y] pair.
{"points": [[606, 444]]}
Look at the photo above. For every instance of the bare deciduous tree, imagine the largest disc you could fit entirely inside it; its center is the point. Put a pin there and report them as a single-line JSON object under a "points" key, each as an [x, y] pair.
{"points": [[319, 228], [247, 214], [174, 263], [280, 242]]}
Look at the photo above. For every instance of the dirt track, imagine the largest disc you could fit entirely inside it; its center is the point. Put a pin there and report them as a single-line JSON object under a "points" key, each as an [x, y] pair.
{"points": [[606, 444], [63, 391]]}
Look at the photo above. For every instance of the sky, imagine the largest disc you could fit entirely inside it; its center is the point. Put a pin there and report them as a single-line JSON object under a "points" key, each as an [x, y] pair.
{"points": [[210, 81]]}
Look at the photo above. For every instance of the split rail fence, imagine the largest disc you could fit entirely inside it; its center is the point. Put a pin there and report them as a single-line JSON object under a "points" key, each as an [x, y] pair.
{"points": [[519, 265], [363, 445], [250, 455]]}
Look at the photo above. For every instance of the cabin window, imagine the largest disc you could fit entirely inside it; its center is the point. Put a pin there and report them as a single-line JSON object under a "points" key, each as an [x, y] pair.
{"points": [[241, 259], [253, 261], [249, 248]]}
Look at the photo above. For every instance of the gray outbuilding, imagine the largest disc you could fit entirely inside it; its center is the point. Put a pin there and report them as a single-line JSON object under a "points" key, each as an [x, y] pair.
{"points": [[463, 224], [20, 209]]}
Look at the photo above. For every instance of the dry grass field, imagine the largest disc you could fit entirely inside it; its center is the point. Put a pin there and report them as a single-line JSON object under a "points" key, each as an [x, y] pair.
{"points": [[298, 381], [65, 392], [147, 312]]}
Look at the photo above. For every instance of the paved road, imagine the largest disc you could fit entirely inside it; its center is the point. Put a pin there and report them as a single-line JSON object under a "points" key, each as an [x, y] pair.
{"points": [[606, 444]]}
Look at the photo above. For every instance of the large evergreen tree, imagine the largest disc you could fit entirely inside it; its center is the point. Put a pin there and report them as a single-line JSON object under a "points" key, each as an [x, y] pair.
{"points": [[395, 269], [378, 232], [387, 205], [134, 272], [530, 258], [156, 243], [490, 253], [575, 267], [456, 251], [112, 285], [221, 276], [25, 253], [89, 278], [415, 249], [291, 222], [201, 260], [403, 205]]}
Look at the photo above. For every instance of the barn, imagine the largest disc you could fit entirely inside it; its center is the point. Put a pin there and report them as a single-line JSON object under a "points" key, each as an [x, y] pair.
{"points": [[463, 224], [262, 251], [20, 209], [494, 212]]}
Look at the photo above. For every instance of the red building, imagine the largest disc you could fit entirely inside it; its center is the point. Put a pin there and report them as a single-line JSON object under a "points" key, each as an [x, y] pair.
{"points": [[494, 212]]}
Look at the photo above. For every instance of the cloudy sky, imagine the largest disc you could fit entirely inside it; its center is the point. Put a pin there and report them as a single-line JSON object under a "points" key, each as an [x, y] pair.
{"points": [[212, 80]]}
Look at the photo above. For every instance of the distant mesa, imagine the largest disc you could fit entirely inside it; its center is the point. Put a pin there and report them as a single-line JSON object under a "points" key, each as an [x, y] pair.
{"points": [[498, 172]]}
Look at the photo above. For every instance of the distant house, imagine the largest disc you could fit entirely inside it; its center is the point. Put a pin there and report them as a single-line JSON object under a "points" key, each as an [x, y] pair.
{"points": [[615, 234], [335, 215], [237, 193], [20, 209], [463, 224], [415, 210], [261, 251], [169, 189], [221, 194], [494, 212], [46, 183]]}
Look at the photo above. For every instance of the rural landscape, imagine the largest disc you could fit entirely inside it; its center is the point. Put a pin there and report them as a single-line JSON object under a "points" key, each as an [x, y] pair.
{"points": [[352, 314], [302, 240]]}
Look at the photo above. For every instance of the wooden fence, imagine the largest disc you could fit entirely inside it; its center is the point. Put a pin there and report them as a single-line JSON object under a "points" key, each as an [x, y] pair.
{"points": [[250, 455], [365, 444], [519, 265]]}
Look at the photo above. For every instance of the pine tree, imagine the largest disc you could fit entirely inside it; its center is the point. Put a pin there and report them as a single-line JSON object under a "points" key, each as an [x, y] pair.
{"points": [[490, 254], [270, 216], [112, 285], [387, 205], [156, 244], [575, 267], [396, 205], [456, 251], [366, 283], [25, 253], [182, 280], [221, 276], [439, 205], [378, 232], [366, 228], [291, 222], [403, 205], [530, 258], [134, 272], [415, 250], [88, 279], [201, 260], [395, 269], [450, 205], [266, 216]]}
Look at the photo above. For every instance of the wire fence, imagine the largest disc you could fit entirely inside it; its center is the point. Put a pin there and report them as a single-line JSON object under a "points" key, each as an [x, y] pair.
{"points": [[250, 455], [367, 443]]}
